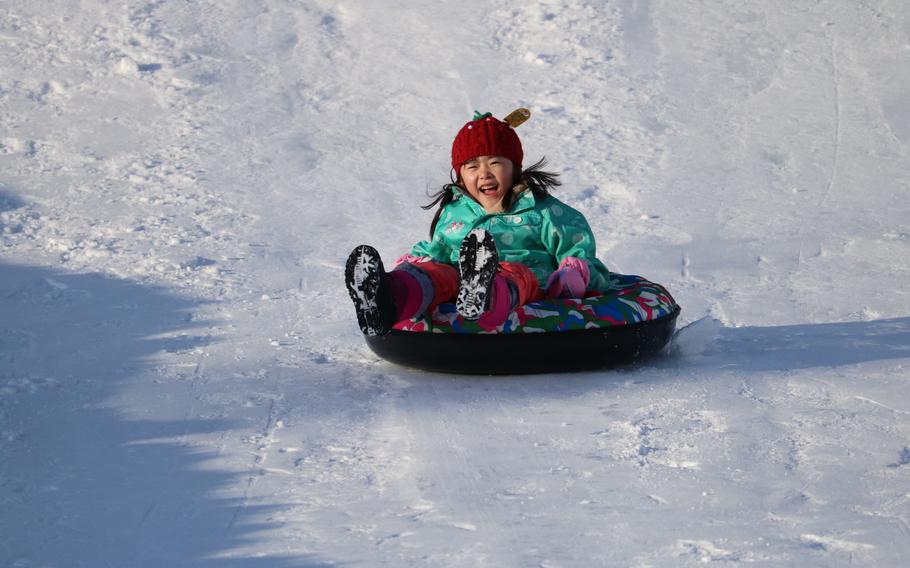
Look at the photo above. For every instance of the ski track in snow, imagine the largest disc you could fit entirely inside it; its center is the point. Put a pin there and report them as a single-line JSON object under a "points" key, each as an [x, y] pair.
{"points": [[182, 379]]}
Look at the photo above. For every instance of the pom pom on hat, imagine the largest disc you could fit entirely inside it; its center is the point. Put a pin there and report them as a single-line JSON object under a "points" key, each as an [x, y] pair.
{"points": [[485, 135]]}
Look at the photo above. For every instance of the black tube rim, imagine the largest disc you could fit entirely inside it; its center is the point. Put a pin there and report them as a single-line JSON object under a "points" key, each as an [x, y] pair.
{"points": [[526, 353]]}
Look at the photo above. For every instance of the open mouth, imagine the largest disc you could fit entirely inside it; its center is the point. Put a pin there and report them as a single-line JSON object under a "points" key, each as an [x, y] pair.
{"points": [[489, 189]]}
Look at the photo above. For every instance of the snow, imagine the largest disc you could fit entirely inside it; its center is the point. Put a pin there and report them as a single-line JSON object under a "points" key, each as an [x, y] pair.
{"points": [[182, 378]]}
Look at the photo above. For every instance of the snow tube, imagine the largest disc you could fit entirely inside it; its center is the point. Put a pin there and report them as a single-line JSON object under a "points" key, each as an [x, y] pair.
{"points": [[634, 319]]}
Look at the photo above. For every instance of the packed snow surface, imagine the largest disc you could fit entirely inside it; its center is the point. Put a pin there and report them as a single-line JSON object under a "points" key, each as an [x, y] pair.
{"points": [[182, 378]]}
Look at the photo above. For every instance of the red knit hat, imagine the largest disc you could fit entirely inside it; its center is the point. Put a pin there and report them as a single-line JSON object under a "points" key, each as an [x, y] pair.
{"points": [[486, 136]]}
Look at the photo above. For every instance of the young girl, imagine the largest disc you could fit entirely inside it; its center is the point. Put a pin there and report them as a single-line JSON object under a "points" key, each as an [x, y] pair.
{"points": [[499, 240]]}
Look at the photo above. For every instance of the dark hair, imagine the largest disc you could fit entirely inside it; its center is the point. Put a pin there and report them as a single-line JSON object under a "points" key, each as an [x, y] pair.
{"points": [[539, 182]]}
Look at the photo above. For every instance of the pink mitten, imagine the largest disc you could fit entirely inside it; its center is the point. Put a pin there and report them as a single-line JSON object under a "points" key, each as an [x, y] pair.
{"points": [[570, 280]]}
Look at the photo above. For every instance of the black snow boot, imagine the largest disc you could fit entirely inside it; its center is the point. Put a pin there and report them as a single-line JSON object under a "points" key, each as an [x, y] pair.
{"points": [[370, 291], [478, 261]]}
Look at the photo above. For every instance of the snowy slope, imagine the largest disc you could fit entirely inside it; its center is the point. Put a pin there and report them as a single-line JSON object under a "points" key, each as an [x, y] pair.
{"points": [[182, 381]]}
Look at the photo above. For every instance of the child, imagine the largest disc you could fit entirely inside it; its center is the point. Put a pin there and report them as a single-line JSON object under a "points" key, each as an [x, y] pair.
{"points": [[499, 240]]}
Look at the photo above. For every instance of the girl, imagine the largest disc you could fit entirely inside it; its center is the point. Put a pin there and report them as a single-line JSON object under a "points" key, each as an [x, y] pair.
{"points": [[498, 240]]}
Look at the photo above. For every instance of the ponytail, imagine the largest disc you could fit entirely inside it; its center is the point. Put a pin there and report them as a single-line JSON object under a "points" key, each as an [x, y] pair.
{"points": [[540, 182], [535, 179], [442, 198]]}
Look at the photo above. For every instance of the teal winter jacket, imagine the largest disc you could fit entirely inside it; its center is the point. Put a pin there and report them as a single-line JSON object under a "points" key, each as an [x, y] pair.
{"points": [[538, 234]]}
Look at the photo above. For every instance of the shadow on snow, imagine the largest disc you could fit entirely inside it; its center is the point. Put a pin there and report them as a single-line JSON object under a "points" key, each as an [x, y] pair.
{"points": [[8, 201], [779, 348], [805, 346], [82, 484]]}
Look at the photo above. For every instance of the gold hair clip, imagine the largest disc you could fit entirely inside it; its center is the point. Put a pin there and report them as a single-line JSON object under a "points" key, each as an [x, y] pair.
{"points": [[518, 117]]}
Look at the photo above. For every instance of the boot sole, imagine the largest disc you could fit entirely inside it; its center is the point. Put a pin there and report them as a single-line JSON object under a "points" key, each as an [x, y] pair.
{"points": [[478, 261], [363, 279]]}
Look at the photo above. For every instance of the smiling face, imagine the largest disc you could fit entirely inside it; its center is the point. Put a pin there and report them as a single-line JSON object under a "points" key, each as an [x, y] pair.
{"points": [[487, 179]]}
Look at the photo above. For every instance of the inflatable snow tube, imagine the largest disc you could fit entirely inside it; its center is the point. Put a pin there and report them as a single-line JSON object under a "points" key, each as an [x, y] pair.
{"points": [[634, 319]]}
